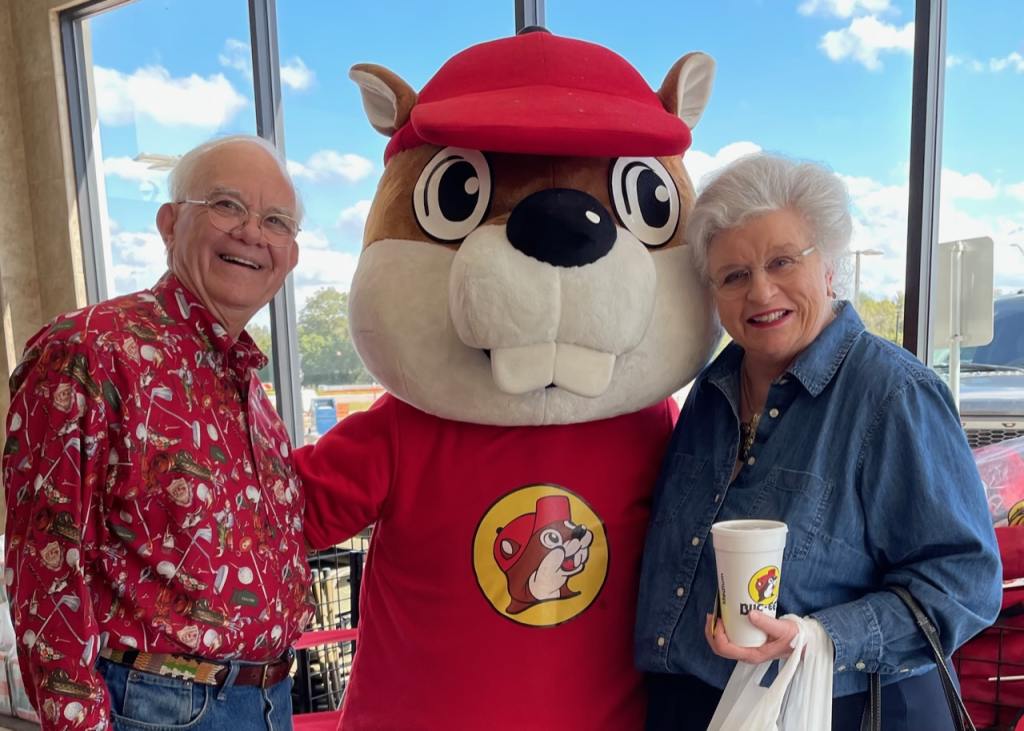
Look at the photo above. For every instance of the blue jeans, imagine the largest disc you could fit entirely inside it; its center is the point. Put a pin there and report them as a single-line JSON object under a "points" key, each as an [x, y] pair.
{"points": [[147, 702]]}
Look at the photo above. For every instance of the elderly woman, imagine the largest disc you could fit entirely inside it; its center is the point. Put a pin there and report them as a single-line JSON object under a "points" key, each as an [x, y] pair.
{"points": [[809, 419]]}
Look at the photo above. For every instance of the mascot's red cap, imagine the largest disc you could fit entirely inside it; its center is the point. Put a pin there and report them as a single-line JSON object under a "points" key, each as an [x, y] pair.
{"points": [[550, 509], [541, 94]]}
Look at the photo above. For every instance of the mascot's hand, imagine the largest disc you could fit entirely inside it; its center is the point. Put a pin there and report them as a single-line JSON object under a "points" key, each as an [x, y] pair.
{"points": [[781, 633]]}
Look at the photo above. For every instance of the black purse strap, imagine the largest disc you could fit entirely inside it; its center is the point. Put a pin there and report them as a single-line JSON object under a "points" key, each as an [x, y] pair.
{"points": [[872, 720]]}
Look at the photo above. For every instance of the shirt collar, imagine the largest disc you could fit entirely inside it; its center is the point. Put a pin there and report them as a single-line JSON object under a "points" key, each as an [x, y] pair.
{"points": [[181, 305], [820, 360], [814, 367]]}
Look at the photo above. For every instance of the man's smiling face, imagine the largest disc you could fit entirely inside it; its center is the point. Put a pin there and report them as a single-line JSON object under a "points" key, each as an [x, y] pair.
{"points": [[233, 274]]}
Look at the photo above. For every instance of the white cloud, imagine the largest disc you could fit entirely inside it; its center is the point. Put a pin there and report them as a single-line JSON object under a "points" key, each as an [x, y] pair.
{"points": [[352, 220], [311, 239], [953, 61], [865, 39], [236, 55], [139, 258], [151, 91], [1016, 190], [699, 164], [1013, 61], [843, 8], [297, 75], [128, 169], [320, 268], [958, 186], [331, 165]]}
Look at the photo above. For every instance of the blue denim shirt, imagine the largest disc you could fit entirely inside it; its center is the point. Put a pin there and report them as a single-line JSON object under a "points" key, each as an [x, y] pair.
{"points": [[860, 451]]}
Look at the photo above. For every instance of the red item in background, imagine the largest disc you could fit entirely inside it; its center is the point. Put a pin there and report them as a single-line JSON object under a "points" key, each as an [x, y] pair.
{"points": [[1002, 470], [991, 665]]}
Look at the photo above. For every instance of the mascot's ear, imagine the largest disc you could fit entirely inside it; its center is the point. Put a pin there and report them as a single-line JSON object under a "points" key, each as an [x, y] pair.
{"points": [[687, 87], [386, 98]]}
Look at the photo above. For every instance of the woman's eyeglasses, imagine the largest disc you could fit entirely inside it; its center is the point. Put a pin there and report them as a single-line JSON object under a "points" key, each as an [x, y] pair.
{"points": [[734, 282]]}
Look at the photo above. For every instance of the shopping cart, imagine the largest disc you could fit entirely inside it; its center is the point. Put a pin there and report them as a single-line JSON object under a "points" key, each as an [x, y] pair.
{"points": [[991, 665], [324, 652]]}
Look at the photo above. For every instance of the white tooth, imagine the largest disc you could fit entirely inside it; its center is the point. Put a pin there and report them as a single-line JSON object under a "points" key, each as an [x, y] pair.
{"points": [[523, 368], [583, 371]]}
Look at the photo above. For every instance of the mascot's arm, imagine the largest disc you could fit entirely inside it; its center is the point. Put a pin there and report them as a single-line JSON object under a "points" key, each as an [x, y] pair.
{"points": [[346, 476]]}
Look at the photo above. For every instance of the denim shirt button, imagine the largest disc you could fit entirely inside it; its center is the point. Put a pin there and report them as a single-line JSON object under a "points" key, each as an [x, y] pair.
{"points": [[773, 413], [751, 460], [661, 642], [860, 665], [841, 668], [695, 541], [680, 591], [718, 496]]}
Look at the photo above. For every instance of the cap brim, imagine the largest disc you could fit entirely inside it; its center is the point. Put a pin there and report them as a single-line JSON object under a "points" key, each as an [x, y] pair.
{"points": [[548, 120]]}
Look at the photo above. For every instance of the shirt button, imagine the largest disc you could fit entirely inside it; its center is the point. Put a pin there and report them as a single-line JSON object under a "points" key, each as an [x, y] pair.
{"points": [[841, 668], [695, 541], [680, 591], [860, 665], [773, 413], [718, 496], [751, 460], [661, 642]]}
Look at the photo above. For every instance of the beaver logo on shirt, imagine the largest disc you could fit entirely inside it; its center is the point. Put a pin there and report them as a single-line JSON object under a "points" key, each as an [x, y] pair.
{"points": [[540, 555]]}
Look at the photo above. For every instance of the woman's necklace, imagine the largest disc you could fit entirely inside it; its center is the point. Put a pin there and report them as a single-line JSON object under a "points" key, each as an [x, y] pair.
{"points": [[748, 429]]}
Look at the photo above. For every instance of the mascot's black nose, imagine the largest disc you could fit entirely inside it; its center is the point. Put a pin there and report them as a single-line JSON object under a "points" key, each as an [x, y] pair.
{"points": [[562, 227], [579, 531]]}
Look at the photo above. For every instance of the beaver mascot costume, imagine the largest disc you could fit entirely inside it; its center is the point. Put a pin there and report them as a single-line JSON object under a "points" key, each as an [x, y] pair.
{"points": [[525, 295]]}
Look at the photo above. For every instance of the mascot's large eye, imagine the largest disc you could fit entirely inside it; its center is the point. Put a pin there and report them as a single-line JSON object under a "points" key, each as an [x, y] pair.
{"points": [[453, 193], [645, 198], [550, 538]]}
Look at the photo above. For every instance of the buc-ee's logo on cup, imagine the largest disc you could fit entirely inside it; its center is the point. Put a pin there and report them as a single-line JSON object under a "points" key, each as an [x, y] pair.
{"points": [[540, 555], [763, 589]]}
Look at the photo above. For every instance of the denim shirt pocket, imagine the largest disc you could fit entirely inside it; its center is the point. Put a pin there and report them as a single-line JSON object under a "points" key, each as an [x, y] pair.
{"points": [[799, 499], [677, 484]]}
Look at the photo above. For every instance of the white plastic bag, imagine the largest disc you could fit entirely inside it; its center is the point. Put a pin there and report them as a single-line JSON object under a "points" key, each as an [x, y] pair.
{"points": [[800, 698]]}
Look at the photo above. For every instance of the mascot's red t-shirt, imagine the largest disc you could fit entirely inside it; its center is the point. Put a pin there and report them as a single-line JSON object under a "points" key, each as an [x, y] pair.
{"points": [[501, 556]]}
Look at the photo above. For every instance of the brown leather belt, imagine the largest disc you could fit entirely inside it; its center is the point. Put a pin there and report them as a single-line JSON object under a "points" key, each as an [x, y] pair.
{"points": [[199, 670]]}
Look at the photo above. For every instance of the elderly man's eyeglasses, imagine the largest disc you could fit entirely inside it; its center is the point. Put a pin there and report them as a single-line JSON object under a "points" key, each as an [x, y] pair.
{"points": [[228, 214], [733, 282]]}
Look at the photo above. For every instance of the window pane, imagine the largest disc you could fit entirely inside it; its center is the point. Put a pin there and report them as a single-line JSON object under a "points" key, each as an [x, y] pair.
{"points": [[162, 84], [982, 205], [824, 81], [336, 158]]}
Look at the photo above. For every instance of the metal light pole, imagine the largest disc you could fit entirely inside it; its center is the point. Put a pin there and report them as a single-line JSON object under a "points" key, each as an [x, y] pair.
{"points": [[856, 271]]}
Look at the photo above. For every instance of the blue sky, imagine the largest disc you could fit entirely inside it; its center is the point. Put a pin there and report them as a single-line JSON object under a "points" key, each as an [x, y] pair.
{"points": [[828, 80]]}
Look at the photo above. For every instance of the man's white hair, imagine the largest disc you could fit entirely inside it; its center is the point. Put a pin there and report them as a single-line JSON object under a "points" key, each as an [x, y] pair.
{"points": [[182, 180]]}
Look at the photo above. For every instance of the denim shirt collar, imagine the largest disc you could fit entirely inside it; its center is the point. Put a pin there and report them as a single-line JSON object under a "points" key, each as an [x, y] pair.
{"points": [[813, 368]]}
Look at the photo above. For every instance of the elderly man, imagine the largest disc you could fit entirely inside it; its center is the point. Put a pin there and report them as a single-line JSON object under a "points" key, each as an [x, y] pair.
{"points": [[155, 557]]}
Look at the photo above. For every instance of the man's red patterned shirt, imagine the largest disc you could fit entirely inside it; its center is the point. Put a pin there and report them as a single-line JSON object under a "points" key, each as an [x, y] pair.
{"points": [[152, 502]]}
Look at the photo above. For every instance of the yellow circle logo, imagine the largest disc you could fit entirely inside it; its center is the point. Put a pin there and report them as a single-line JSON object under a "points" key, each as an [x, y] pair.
{"points": [[540, 555], [763, 586]]}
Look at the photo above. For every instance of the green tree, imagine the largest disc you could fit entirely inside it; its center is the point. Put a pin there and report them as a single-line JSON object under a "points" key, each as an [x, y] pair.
{"points": [[325, 348], [883, 317], [261, 336]]}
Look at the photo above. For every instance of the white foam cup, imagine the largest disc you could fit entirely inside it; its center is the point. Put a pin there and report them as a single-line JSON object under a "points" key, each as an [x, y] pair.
{"points": [[748, 559]]}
